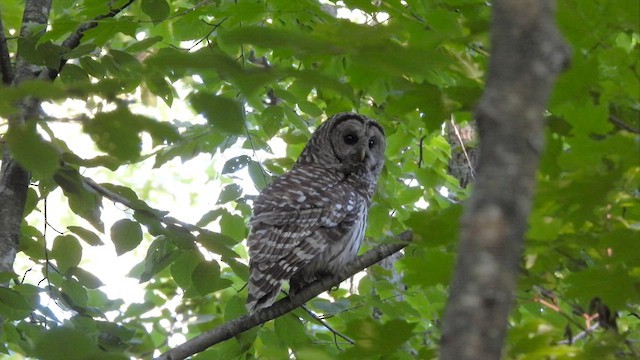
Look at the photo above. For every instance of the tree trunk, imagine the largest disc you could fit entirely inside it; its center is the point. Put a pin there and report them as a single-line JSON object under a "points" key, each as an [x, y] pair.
{"points": [[14, 180], [527, 54]]}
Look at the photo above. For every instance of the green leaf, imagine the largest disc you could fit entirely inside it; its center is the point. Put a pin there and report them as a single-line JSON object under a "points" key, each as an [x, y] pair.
{"points": [[183, 267], [115, 133], [290, 330], [157, 10], [234, 164], [83, 199], [440, 264], [161, 88], [309, 108], [272, 38], [436, 228], [73, 74], [161, 253], [615, 286], [229, 193], [74, 295], [126, 235], [233, 226], [63, 343], [31, 151], [218, 243], [93, 67], [375, 339], [143, 44], [223, 114], [206, 278], [85, 278], [258, 175], [13, 305], [87, 235], [66, 251], [210, 216]]}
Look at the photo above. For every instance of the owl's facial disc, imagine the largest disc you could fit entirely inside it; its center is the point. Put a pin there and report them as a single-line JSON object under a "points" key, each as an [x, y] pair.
{"points": [[357, 144]]}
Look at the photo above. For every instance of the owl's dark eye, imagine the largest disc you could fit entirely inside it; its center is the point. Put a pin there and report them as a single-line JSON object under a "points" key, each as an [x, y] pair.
{"points": [[372, 143], [350, 139]]}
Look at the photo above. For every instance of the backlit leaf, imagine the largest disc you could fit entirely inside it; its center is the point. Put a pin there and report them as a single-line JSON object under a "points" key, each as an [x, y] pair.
{"points": [[126, 235], [229, 193], [66, 251], [221, 113]]}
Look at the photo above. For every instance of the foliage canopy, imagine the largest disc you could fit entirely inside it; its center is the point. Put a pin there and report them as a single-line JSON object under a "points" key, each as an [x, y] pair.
{"points": [[161, 83]]}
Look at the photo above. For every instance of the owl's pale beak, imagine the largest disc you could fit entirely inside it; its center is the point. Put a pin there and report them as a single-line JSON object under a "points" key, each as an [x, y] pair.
{"points": [[363, 154]]}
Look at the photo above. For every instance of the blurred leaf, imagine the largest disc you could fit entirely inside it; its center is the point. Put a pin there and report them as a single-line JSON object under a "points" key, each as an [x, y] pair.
{"points": [[126, 235], [439, 263], [223, 114], [614, 286], [114, 134], [83, 199], [13, 306], [157, 10], [67, 252], [63, 343], [436, 228], [143, 44], [375, 339], [31, 150]]}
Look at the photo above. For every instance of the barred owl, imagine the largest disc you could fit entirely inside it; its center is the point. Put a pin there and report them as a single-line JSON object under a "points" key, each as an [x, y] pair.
{"points": [[310, 221]]}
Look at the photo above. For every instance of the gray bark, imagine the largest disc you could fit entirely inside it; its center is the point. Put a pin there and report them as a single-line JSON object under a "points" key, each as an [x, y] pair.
{"points": [[14, 180], [527, 54]]}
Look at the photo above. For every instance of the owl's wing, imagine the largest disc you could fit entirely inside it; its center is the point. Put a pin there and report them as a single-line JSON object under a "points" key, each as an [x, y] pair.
{"points": [[278, 232], [291, 225]]}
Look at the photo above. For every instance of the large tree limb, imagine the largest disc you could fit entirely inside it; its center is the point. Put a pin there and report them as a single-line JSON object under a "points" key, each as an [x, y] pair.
{"points": [[246, 322], [527, 54], [14, 180]]}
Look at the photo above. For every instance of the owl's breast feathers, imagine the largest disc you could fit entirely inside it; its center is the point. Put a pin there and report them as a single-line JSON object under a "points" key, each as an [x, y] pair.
{"points": [[298, 203]]}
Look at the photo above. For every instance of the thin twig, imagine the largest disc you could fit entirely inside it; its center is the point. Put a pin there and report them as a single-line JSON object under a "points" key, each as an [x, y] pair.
{"points": [[325, 324], [464, 149], [623, 125], [580, 335], [421, 155]]}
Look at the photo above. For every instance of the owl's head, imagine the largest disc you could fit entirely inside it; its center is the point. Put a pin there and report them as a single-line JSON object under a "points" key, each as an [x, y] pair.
{"points": [[347, 141]]}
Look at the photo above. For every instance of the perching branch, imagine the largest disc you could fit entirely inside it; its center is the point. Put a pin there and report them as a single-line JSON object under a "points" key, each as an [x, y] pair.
{"points": [[527, 54], [246, 322]]}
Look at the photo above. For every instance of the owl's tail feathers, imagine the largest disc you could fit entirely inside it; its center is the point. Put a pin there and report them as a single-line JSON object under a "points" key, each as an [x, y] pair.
{"points": [[263, 289]]}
